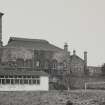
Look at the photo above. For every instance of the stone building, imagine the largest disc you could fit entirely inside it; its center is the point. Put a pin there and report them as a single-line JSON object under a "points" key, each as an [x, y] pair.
{"points": [[33, 54], [22, 55], [78, 65]]}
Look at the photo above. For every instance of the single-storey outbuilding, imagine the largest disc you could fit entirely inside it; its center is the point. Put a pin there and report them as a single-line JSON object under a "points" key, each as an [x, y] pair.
{"points": [[22, 80]]}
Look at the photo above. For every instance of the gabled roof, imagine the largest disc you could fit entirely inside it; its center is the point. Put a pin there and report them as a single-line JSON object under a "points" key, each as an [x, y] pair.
{"points": [[72, 57], [37, 44], [23, 72]]}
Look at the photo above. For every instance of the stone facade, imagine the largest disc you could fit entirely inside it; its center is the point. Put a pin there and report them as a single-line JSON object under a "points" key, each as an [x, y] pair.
{"points": [[76, 64], [40, 55], [34, 54]]}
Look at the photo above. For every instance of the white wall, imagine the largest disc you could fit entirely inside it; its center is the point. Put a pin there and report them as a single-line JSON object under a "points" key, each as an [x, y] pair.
{"points": [[43, 86]]}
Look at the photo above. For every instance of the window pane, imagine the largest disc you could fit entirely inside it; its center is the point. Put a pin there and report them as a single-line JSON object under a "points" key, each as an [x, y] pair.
{"points": [[1, 76], [3, 81], [16, 81], [35, 76], [37, 63], [21, 81], [24, 76], [10, 76], [15, 76], [38, 82], [19, 76], [7, 81], [28, 76], [25, 81], [6, 76], [34, 81], [30, 81], [12, 81]]}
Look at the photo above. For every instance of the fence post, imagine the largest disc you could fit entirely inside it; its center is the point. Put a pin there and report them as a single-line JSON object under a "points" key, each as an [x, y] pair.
{"points": [[85, 86]]}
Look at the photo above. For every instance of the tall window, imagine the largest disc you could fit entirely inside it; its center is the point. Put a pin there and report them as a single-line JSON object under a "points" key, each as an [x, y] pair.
{"points": [[64, 64], [54, 64], [37, 63], [46, 64]]}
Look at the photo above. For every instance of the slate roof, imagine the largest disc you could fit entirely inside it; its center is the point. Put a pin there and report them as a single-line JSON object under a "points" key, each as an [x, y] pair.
{"points": [[23, 72], [37, 44]]}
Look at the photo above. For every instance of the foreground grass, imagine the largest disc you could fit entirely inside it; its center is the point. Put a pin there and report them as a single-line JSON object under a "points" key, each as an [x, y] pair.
{"points": [[52, 98]]}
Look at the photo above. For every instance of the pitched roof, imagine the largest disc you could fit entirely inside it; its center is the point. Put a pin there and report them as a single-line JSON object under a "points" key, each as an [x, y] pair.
{"points": [[75, 56], [23, 72], [37, 44], [26, 39]]}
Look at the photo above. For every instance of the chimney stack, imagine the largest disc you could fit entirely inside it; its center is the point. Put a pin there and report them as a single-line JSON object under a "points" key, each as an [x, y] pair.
{"points": [[66, 47], [74, 52], [1, 14], [85, 58], [85, 63]]}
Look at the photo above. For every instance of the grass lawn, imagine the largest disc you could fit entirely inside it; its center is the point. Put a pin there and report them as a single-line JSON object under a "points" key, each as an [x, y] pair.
{"points": [[78, 97]]}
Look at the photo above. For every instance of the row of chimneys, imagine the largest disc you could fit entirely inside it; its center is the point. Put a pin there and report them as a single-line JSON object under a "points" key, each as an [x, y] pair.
{"points": [[74, 53]]}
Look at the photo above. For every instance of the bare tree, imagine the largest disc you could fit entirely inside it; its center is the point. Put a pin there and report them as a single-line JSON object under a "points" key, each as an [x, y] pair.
{"points": [[67, 80], [67, 70]]}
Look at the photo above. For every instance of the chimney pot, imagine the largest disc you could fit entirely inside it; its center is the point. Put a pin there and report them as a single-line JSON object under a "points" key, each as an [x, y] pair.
{"points": [[85, 61], [66, 47]]}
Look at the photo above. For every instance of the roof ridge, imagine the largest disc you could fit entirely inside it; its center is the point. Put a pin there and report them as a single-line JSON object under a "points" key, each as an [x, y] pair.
{"points": [[77, 56], [38, 44], [28, 39], [21, 72]]}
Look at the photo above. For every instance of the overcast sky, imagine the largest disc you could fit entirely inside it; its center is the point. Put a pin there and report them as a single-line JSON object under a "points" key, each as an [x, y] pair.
{"points": [[80, 23]]}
